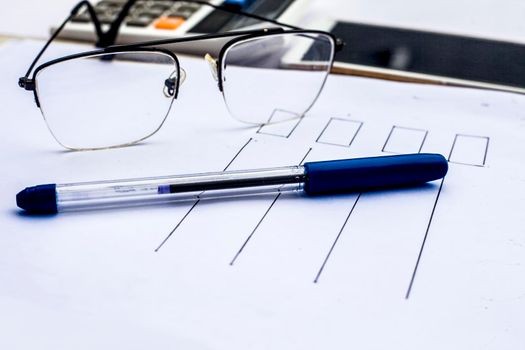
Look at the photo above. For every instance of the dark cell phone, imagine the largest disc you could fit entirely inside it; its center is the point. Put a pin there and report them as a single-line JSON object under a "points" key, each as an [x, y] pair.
{"points": [[432, 54]]}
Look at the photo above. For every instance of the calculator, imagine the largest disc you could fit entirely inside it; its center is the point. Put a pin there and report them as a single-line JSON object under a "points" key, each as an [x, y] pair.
{"points": [[151, 20]]}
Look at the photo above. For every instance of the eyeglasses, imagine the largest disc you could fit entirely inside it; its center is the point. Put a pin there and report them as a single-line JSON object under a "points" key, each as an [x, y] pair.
{"points": [[121, 94]]}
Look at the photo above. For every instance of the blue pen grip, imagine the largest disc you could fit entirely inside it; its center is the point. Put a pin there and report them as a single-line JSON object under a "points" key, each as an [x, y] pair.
{"points": [[365, 174]]}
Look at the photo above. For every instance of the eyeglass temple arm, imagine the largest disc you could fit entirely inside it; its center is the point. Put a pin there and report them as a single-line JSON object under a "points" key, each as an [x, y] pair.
{"points": [[110, 37], [27, 83]]}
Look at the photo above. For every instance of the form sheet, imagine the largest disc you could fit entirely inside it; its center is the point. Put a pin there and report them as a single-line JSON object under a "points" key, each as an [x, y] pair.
{"points": [[440, 266]]}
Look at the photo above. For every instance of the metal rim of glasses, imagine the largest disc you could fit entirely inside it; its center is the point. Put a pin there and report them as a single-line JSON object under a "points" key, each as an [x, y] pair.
{"points": [[221, 63], [28, 82], [179, 74], [239, 36]]}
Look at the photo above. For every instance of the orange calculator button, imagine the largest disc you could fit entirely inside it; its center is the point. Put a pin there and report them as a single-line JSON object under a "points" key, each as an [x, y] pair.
{"points": [[170, 23]]}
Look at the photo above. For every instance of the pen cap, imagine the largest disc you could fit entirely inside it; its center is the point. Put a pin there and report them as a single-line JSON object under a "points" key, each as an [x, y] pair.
{"points": [[40, 199], [365, 174]]}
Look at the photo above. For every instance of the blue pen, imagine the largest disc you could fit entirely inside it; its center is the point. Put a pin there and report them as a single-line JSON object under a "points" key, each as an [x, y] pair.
{"points": [[314, 178]]}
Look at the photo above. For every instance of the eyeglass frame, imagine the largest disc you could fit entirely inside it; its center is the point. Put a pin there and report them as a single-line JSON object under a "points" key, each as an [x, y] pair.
{"points": [[106, 40], [173, 85]]}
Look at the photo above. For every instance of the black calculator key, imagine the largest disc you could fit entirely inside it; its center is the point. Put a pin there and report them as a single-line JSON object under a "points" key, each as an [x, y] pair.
{"points": [[107, 19], [108, 3], [100, 10], [139, 22], [82, 18], [177, 13], [153, 12], [186, 8], [160, 7], [135, 9], [194, 6], [167, 3]]}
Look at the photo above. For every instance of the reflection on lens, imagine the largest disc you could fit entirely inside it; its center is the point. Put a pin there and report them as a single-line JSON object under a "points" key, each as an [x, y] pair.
{"points": [[275, 77], [107, 100]]}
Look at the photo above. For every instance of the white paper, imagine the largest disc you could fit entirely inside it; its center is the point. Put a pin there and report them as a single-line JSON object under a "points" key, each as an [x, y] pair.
{"points": [[272, 273]]}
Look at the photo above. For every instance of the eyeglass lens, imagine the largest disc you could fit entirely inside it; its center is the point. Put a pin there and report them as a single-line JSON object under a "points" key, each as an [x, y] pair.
{"points": [[107, 100], [276, 77]]}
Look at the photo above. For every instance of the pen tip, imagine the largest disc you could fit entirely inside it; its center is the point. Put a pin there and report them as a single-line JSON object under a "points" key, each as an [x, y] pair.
{"points": [[38, 199]]}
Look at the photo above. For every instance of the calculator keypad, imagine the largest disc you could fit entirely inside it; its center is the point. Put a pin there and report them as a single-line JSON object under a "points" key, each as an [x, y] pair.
{"points": [[167, 15]]}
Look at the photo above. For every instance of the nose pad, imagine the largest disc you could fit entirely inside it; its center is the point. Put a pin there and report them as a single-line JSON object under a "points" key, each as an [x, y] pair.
{"points": [[213, 66], [170, 84], [182, 76]]}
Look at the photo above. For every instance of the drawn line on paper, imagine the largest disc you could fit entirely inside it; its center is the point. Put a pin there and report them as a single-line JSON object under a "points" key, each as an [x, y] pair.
{"points": [[198, 201], [412, 279], [453, 146], [296, 126], [318, 276], [285, 135], [407, 295], [423, 244], [262, 218], [327, 126], [468, 164], [396, 127], [423, 142], [486, 150], [388, 138], [254, 230], [305, 156], [238, 154], [177, 226]]}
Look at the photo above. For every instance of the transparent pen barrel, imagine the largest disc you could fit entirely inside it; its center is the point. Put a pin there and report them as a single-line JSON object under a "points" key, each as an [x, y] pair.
{"points": [[147, 191]]}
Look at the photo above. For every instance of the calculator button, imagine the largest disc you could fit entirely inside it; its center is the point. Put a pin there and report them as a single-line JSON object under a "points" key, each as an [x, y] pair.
{"points": [[139, 22], [107, 19], [159, 7], [153, 11], [136, 7], [108, 3], [100, 10], [186, 8], [170, 23], [82, 18], [177, 13], [191, 5]]}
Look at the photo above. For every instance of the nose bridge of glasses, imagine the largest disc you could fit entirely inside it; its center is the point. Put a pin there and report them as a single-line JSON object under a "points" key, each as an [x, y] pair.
{"points": [[170, 84]]}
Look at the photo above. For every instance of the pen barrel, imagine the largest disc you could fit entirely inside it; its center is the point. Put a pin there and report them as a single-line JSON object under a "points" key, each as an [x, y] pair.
{"points": [[365, 174], [149, 191]]}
